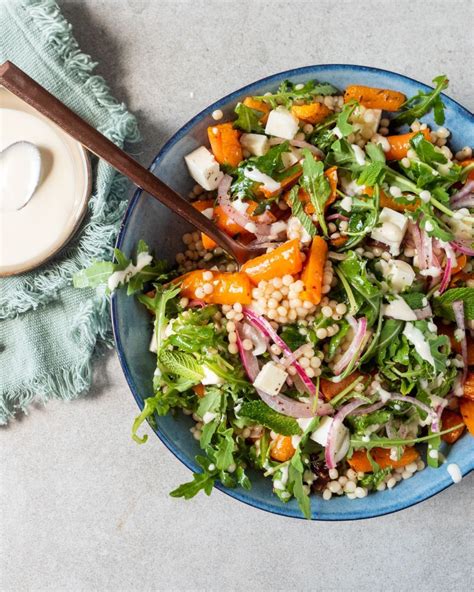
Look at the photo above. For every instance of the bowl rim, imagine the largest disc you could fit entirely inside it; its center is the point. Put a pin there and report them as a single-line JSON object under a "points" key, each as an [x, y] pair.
{"points": [[238, 493]]}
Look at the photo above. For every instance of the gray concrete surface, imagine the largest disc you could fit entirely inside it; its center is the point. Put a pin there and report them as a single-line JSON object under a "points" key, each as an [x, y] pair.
{"points": [[82, 507]]}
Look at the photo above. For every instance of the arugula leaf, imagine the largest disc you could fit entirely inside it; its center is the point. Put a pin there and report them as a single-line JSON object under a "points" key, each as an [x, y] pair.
{"points": [[442, 305], [342, 121], [298, 212], [424, 102], [375, 152], [434, 444], [363, 218], [373, 480], [288, 92], [248, 119], [337, 339], [426, 151], [224, 450], [316, 186], [270, 164], [262, 414], [158, 304], [136, 275], [354, 268], [181, 364], [201, 481], [296, 478], [149, 409]]}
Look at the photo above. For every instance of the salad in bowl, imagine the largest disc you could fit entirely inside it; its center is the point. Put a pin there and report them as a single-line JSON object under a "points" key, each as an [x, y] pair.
{"points": [[338, 362]]}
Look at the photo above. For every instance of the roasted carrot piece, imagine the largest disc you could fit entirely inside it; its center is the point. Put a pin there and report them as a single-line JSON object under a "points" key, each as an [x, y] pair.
{"points": [[312, 275], [281, 448], [466, 406], [207, 242], [360, 462], [259, 106], [461, 261], [400, 144], [331, 389], [201, 205], [388, 202], [461, 276], [375, 98], [466, 163], [339, 241], [449, 419], [312, 113], [469, 386], [283, 260], [225, 145], [228, 288], [200, 390]]}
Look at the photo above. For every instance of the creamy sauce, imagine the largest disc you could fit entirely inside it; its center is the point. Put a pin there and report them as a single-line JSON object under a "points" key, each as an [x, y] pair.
{"points": [[30, 235], [20, 170], [455, 472], [120, 277], [415, 336]]}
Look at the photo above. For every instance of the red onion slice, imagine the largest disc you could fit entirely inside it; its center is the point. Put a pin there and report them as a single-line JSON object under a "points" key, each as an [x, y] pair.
{"points": [[260, 341], [291, 359], [263, 325], [463, 194], [446, 275], [355, 348], [297, 144], [458, 309], [195, 303], [243, 220], [337, 217], [423, 313], [337, 424], [462, 249]]}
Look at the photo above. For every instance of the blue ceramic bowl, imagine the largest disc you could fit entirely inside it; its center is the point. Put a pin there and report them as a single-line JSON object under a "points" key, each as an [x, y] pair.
{"points": [[148, 220]]}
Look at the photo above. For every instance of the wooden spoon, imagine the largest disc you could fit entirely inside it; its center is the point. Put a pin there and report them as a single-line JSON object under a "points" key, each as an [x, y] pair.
{"points": [[24, 87]]}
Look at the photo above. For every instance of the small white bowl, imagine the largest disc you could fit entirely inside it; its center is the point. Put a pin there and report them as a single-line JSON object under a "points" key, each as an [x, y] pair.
{"points": [[36, 232]]}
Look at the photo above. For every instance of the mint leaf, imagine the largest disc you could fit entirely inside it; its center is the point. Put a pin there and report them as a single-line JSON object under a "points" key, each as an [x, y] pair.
{"points": [[248, 119], [181, 364], [261, 413], [442, 305], [372, 174]]}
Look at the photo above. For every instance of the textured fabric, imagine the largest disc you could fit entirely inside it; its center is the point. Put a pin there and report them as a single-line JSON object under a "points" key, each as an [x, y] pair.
{"points": [[48, 330]]}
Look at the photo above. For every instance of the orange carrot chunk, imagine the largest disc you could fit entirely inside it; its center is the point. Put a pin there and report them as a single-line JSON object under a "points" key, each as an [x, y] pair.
{"points": [[469, 386], [228, 288], [284, 260], [281, 448], [312, 275], [200, 390], [360, 461], [331, 389], [312, 113], [225, 144], [466, 406], [388, 202], [450, 419], [375, 98], [259, 106], [461, 261], [466, 163], [400, 144]]}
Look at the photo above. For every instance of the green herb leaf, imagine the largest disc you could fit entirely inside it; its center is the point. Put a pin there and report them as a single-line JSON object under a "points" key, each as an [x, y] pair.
{"points": [[261, 413], [316, 186], [298, 212], [200, 482], [149, 409], [426, 151], [342, 122], [422, 103], [372, 174], [296, 478], [248, 119], [181, 364], [442, 305]]}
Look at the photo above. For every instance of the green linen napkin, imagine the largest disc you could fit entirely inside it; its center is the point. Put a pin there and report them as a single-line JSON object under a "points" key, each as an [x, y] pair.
{"points": [[48, 330]]}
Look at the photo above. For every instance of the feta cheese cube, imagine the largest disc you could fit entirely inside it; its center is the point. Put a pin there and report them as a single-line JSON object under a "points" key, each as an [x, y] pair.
{"points": [[320, 434], [270, 379], [399, 274], [392, 229], [256, 144], [290, 158], [399, 309], [282, 123], [204, 168]]}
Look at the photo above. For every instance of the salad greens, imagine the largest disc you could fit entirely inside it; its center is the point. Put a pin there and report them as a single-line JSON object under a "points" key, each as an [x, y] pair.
{"points": [[323, 363]]}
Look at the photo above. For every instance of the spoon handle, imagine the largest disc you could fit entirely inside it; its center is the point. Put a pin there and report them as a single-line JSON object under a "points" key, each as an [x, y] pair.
{"points": [[24, 87]]}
